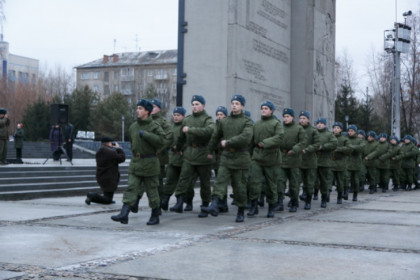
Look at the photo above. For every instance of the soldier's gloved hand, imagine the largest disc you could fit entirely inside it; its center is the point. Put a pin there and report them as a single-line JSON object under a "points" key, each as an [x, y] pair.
{"points": [[141, 133]]}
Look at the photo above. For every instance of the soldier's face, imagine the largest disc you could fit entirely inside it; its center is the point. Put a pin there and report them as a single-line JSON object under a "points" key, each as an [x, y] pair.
{"points": [[141, 112], [370, 138], [236, 107], [361, 136], [303, 120], [337, 130], [287, 118], [320, 125], [406, 141], [266, 111], [178, 117], [393, 141], [197, 106], [351, 132], [220, 115], [156, 109]]}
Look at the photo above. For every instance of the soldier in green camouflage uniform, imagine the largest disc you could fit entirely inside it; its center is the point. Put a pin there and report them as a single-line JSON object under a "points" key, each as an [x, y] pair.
{"points": [[196, 132], [371, 155], [363, 171], [309, 158], [158, 117], [385, 155], [294, 141], [394, 164], [354, 161], [234, 135], [340, 160], [146, 138], [407, 156], [266, 158], [327, 144]]}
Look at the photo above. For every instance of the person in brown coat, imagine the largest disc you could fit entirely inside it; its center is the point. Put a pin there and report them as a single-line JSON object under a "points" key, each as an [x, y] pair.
{"points": [[107, 157]]}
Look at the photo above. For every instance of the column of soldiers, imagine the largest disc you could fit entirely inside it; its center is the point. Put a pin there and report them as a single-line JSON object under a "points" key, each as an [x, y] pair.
{"points": [[266, 157]]}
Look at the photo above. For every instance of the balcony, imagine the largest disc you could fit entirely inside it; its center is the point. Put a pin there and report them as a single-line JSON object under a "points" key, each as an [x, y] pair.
{"points": [[161, 77]]}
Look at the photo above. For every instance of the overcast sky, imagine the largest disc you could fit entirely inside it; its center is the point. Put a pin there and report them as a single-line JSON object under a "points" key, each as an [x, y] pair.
{"points": [[68, 33]]}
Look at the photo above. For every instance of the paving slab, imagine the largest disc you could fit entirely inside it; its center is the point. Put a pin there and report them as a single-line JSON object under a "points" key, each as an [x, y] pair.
{"points": [[9, 274], [232, 259]]}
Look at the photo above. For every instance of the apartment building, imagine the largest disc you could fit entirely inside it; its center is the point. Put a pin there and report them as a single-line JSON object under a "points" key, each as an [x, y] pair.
{"points": [[131, 74]]}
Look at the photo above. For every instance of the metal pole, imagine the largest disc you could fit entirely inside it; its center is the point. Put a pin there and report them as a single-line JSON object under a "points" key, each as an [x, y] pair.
{"points": [[122, 128], [180, 82], [396, 93]]}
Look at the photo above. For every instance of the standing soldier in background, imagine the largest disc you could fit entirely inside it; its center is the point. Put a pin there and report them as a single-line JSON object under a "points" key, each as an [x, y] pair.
{"points": [[234, 135], [294, 141], [340, 160], [309, 158], [394, 164], [361, 134], [4, 135], [385, 154], [327, 144], [19, 134], [221, 113], [407, 156], [266, 158], [370, 156], [158, 117], [146, 138], [196, 133], [354, 161]]}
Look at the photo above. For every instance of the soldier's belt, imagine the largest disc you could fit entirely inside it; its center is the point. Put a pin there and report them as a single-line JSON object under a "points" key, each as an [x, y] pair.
{"points": [[198, 145], [139, 156], [232, 150]]}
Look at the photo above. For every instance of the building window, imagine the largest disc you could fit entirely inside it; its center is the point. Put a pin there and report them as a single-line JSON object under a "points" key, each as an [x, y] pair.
{"points": [[106, 90], [85, 76], [106, 76], [95, 75], [150, 73], [127, 71], [174, 72], [115, 74], [96, 88], [116, 88]]}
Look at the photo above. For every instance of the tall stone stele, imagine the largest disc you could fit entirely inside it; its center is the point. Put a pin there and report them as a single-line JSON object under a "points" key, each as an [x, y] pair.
{"points": [[281, 50]]}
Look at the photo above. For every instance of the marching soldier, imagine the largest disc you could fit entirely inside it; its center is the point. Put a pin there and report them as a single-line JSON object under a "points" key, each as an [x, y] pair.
{"points": [[266, 158], [294, 141], [394, 164], [309, 158], [196, 132], [146, 138], [327, 144], [221, 113], [234, 135], [339, 160], [361, 134], [383, 161], [408, 155], [354, 161], [370, 155]]}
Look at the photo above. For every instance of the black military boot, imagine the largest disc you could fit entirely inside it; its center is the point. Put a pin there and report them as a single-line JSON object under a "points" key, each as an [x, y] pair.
{"points": [[189, 205], [240, 216], [123, 216], [223, 206], [354, 196], [203, 214], [164, 204], [371, 189], [324, 200], [395, 188], [254, 208], [340, 198], [361, 186], [97, 198], [346, 194], [154, 218], [213, 209], [294, 206], [308, 202], [315, 194], [408, 188], [279, 206], [178, 206], [303, 196], [135, 207], [261, 200], [270, 213]]}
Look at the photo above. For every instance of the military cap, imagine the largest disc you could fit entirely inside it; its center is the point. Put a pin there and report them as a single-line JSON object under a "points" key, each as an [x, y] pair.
{"points": [[238, 97], [269, 104], [198, 98], [156, 102], [339, 124], [321, 120], [289, 111], [353, 127], [222, 109], [393, 137], [372, 134], [106, 139], [179, 110], [362, 132], [3, 111], [384, 135], [305, 113], [146, 104]]}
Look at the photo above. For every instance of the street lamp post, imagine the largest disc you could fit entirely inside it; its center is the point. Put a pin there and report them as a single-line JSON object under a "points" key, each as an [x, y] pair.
{"points": [[397, 41], [122, 128]]}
